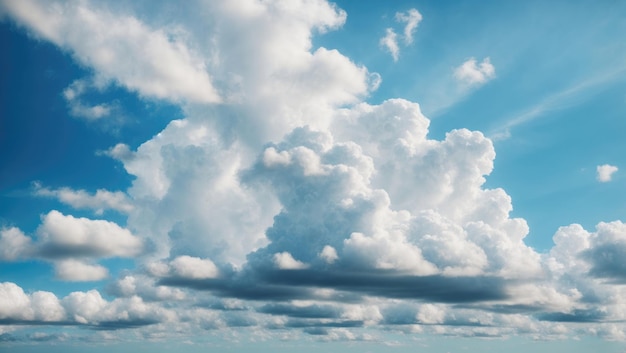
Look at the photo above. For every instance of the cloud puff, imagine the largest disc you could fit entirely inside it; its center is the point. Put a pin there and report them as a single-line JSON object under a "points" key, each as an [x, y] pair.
{"points": [[193, 267], [390, 43], [13, 244], [472, 73], [77, 308], [15, 305], [62, 236], [120, 48], [74, 270], [72, 245], [605, 172], [80, 199]]}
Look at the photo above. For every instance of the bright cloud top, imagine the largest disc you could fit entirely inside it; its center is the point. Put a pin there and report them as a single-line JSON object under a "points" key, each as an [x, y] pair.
{"points": [[293, 205], [605, 172], [473, 73]]}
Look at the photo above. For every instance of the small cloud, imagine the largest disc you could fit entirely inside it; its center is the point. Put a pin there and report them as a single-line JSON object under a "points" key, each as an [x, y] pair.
{"points": [[329, 254], [285, 261], [80, 199], [412, 18], [390, 42], [472, 73], [78, 108], [605, 172], [121, 152], [193, 267]]}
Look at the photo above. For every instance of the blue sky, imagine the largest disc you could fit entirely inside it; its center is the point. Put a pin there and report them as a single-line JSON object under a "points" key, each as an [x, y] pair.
{"points": [[305, 175]]}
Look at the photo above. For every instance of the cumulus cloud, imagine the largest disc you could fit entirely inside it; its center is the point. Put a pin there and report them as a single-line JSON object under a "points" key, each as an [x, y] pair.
{"points": [[193, 267], [13, 244], [74, 270], [17, 306], [62, 236], [80, 109], [294, 204], [72, 244], [80, 199], [77, 308], [605, 172], [473, 73]]}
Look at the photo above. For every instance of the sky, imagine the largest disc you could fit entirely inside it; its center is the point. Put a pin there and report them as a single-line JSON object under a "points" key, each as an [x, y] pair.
{"points": [[306, 175]]}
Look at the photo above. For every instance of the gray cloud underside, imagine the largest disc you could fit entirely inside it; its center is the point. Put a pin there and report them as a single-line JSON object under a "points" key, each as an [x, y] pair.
{"points": [[279, 285]]}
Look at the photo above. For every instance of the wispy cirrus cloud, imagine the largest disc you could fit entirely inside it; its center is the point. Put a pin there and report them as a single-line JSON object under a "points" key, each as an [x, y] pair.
{"points": [[389, 42]]}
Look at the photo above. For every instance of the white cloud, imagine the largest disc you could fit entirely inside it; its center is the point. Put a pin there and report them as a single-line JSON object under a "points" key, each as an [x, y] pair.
{"points": [[14, 302], [19, 306], [78, 108], [329, 254], [120, 48], [193, 267], [81, 199], [294, 190], [605, 172], [13, 244], [71, 244], [473, 73], [390, 43], [412, 18], [61, 236], [431, 314], [285, 261], [74, 270]]}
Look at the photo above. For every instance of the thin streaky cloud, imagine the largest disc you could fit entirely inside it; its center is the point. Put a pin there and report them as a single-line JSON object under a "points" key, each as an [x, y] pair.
{"points": [[390, 43], [557, 101]]}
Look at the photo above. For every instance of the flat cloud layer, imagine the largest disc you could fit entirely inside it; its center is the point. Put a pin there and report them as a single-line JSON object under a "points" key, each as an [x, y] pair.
{"points": [[294, 204]]}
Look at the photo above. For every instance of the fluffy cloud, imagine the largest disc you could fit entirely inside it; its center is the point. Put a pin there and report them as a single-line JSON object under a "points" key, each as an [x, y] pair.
{"points": [[605, 172], [72, 245], [77, 308], [15, 305], [193, 267], [13, 244], [293, 204], [473, 73], [81, 199], [285, 261], [62, 236], [150, 61]]}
